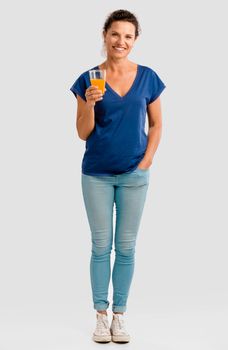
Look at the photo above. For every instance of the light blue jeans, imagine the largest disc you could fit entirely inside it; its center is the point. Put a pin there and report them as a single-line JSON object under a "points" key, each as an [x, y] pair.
{"points": [[128, 192]]}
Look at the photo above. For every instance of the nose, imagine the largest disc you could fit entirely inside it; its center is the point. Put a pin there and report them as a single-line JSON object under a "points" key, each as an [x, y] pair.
{"points": [[121, 41]]}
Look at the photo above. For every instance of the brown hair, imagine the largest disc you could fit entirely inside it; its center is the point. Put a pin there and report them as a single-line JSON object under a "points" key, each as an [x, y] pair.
{"points": [[122, 15]]}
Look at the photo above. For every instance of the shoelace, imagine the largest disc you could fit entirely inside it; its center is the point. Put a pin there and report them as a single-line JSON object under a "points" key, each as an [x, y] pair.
{"points": [[101, 323], [121, 324]]}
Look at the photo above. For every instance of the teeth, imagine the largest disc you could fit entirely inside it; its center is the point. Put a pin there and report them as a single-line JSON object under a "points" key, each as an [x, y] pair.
{"points": [[119, 48]]}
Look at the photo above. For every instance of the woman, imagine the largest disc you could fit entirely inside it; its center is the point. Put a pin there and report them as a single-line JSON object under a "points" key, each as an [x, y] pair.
{"points": [[116, 165]]}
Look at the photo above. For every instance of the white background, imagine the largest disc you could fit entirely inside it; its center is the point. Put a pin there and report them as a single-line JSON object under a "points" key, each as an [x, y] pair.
{"points": [[178, 297]]}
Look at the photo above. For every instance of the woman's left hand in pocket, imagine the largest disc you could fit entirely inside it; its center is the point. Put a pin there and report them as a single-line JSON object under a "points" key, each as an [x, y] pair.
{"points": [[145, 163]]}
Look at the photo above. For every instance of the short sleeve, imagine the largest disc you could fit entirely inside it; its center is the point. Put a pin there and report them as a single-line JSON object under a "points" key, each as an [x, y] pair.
{"points": [[79, 87], [157, 86]]}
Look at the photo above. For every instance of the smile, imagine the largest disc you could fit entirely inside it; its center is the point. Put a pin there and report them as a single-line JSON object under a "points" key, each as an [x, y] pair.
{"points": [[119, 48]]}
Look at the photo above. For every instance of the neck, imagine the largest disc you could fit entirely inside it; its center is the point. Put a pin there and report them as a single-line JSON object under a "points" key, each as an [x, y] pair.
{"points": [[119, 65]]}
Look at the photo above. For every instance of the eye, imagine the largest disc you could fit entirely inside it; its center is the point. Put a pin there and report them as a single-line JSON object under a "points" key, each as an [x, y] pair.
{"points": [[114, 34]]}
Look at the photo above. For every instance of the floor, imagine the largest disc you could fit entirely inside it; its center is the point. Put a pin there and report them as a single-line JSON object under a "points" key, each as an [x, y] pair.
{"points": [[53, 327]]}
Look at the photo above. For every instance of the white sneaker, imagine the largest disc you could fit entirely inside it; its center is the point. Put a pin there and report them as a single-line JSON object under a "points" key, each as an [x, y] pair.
{"points": [[102, 332], [118, 330]]}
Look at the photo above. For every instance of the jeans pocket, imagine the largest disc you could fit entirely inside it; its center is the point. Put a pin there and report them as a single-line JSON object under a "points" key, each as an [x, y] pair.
{"points": [[143, 170]]}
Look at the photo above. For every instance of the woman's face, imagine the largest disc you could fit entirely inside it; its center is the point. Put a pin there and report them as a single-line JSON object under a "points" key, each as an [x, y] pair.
{"points": [[119, 39]]}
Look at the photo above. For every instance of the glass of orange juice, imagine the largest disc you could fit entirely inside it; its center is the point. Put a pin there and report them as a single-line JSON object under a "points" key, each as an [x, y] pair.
{"points": [[97, 78]]}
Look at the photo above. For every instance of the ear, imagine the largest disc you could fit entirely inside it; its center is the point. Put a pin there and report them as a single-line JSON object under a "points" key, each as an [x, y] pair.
{"points": [[104, 35]]}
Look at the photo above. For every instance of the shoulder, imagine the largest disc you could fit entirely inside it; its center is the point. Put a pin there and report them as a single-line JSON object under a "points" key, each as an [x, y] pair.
{"points": [[151, 75], [81, 83], [152, 82], [148, 70]]}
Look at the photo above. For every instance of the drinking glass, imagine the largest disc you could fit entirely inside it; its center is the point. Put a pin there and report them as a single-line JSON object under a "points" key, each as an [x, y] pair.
{"points": [[97, 78]]}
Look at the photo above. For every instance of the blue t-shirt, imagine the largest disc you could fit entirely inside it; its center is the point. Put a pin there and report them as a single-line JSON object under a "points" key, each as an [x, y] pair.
{"points": [[118, 141]]}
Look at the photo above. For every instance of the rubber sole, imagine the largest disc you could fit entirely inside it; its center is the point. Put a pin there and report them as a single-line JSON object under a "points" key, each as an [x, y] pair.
{"points": [[120, 338], [102, 338]]}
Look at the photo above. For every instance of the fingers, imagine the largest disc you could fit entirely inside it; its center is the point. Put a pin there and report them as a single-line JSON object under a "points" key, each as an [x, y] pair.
{"points": [[93, 94]]}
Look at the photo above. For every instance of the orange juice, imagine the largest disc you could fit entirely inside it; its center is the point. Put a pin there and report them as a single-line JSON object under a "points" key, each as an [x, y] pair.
{"points": [[100, 83]]}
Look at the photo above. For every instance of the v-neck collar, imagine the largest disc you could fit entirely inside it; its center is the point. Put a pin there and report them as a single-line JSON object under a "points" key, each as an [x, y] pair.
{"points": [[131, 88]]}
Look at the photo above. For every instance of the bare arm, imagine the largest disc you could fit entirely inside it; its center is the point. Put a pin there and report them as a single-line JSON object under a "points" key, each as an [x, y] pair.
{"points": [[84, 118], [85, 121], [154, 132]]}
